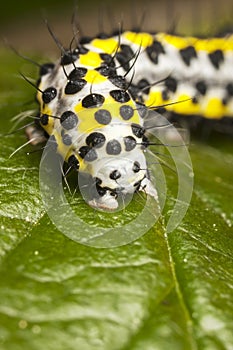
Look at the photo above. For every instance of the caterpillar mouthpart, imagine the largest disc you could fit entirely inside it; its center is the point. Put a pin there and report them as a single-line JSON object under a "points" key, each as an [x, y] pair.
{"points": [[114, 181]]}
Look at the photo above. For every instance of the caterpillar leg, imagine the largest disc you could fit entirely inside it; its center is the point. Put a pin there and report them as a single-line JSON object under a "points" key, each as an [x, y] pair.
{"points": [[35, 134], [109, 201], [148, 188]]}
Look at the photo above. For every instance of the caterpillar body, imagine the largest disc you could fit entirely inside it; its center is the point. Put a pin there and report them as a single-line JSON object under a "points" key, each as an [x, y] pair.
{"points": [[94, 101]]}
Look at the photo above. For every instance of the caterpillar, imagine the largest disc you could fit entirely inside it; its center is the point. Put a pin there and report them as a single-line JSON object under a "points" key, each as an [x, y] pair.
{"points": [[95, 99]]}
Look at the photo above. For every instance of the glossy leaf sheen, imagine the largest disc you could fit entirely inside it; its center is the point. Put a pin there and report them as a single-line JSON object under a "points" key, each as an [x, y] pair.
{"points": [[156, 293]]}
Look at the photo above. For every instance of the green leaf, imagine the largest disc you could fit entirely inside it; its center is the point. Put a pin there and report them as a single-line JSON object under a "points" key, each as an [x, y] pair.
{"points": [[162, 291]]}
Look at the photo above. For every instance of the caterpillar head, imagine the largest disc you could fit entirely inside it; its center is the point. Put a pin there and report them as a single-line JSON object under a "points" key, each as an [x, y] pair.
{"points": [[115, 166], [120, 192]]}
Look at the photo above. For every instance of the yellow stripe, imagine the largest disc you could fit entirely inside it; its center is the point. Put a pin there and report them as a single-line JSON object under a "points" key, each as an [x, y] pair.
{"points": [[215, 109], [94, 77], [87, 118], [49, 127], [140, 39], [208, 45], [107, 45], [90, 59]]}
